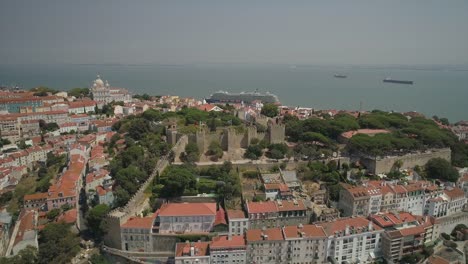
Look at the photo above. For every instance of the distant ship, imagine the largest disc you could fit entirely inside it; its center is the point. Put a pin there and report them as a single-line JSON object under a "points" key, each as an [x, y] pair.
{"points": [[246, 97], [388, 80], [340, 76]]}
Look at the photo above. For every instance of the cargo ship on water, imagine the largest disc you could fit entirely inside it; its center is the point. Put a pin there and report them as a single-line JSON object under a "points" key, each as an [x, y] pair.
{"points": [[340, 76], [389, 80], [245, 97]]}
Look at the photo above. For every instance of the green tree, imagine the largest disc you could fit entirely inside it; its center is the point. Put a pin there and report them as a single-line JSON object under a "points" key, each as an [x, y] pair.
{"points": [[79, 92], [98, 259], [57, 244], [53, 214], [253, 152], [270, 110], [96, 220], [438, 168], [214, 149], [176, 181], [191, 154], [27, 255]]}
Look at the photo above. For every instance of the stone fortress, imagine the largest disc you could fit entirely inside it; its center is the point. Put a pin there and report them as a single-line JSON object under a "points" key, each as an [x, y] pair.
{"points": [[231, 139]]}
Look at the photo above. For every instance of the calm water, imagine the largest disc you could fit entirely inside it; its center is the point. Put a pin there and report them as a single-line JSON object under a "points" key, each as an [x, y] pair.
{"points": [[437, 91]]}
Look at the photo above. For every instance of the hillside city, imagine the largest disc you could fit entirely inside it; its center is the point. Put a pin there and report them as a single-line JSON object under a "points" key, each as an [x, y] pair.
{"points": [[101, 175]]}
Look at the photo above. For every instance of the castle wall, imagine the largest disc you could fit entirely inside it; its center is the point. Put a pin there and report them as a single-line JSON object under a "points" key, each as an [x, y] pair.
{"points": [[385, 164], [276, 133], [138, 201]]}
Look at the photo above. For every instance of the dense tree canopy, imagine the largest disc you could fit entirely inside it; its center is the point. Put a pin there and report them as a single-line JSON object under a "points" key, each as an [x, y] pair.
{"points": [[57, 244], [27, 255], [95, 219], [270, 110], [438, 168], [79, 92]]}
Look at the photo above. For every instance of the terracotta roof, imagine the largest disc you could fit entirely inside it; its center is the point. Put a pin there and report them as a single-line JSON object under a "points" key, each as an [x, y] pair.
{"points": [[454, 193], [27, 223], [288, 205], [437, 260], [235, 214], [183, 249], [306, 231], [412, 231], [100, 190], [340, 224], [220, 218], [78, 104], [225, 242], [35, 196], [269, 234], [261, 207], [391, 219], [68, 217], [187, 209], [139, 222]]}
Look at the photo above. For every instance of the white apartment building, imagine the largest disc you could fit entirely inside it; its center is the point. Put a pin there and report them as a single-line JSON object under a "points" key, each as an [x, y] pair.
{"points": [[266, 246], [305, 244], [450, 202], [228, 250], [237, 221], [353, 240]]}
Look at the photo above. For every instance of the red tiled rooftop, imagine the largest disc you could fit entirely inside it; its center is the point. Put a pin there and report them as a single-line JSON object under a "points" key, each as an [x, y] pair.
{"points": [[68, 217], [304, 231], [454, 193], [261, 207], [183, 249], [235, 214], [35, 196], [269, 234], [220, 218], [437, 260], [340, 225], [225, 242], [287, 205], [139, 222], [187, 209]]}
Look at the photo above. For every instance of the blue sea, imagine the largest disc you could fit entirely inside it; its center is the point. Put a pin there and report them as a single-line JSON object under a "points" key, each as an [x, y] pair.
{"points": [[437, 90]]}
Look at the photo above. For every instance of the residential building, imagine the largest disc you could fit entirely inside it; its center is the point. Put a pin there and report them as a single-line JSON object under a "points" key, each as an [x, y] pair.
{"points": [[352, 240], [404, 234], [305, 244], [228, 250], [136, 234], [180, 218], [237, 221], [354, 200], [192, 253], [81, 107], [266, 246], [450, 202], [276, 213]]}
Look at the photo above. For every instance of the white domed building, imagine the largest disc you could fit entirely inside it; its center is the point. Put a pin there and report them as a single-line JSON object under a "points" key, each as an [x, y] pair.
{"points": [[103, 93]]}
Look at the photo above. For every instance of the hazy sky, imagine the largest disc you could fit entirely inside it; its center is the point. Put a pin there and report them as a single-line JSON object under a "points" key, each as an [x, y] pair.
{"points": [[197, 31]]}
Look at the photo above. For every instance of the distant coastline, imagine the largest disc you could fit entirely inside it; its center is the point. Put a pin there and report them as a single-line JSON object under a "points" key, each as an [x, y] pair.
{"points": [[439, 89]]}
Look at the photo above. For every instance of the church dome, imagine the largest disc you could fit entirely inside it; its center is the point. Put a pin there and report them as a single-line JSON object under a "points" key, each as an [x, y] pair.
{"points": [[98, 82]]}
